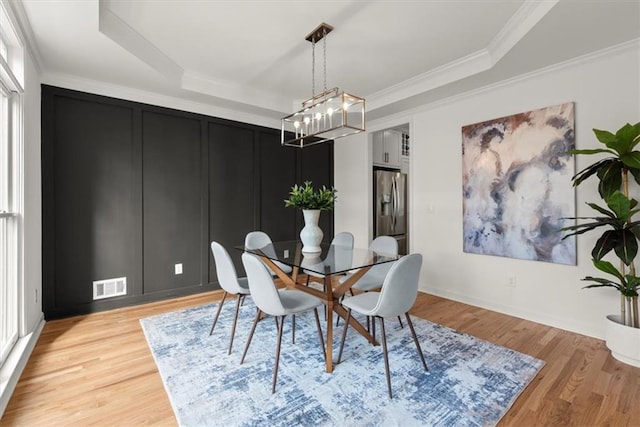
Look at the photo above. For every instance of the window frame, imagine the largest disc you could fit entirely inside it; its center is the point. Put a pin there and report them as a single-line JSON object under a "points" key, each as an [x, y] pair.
{"points": [[11, 195]]}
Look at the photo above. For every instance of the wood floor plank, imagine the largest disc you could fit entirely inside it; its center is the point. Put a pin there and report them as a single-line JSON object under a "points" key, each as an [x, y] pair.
{"points": [[98, 370]]}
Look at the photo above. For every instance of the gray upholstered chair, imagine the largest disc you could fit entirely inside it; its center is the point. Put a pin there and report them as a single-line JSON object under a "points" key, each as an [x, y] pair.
{"points": [[259, 239], [398, 294], [341, 259], [373, 278], [230, 283], [276, 303]]}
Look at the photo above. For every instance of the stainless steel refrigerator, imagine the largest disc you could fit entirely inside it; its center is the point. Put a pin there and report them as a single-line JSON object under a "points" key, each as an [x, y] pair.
{"points": [[390, 206]]}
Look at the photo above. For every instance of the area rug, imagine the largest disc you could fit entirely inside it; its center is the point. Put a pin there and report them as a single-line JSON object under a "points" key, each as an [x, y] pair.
{"points": [[470, 382]]}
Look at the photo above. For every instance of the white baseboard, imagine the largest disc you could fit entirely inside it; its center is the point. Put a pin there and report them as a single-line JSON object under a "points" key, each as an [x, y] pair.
{"points": [[14, 365], [533, 316]]}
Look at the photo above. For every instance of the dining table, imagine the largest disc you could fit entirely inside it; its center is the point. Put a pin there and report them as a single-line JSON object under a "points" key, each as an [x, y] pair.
{"points": [[331, 263]]}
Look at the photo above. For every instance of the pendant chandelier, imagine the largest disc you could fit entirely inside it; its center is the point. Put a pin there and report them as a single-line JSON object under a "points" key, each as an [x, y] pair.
{"points": [[326, 116]]}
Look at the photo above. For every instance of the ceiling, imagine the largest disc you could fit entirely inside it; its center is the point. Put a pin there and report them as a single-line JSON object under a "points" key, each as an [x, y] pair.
{"points": [[252, 56]]}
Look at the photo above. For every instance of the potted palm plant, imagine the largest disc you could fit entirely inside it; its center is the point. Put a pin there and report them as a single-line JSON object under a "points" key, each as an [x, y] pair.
{"points": [[312, 202], [620, 228]]}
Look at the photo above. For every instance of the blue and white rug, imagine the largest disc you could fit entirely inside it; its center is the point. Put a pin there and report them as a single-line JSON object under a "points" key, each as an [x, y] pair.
{"points": [[470, 382]]}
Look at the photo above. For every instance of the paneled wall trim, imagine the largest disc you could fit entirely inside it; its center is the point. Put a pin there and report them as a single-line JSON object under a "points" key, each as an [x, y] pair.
{"points": [[138, 191]]}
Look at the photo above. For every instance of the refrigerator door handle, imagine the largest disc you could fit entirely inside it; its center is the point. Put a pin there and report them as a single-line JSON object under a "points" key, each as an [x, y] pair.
{"points": [[394, 203]]}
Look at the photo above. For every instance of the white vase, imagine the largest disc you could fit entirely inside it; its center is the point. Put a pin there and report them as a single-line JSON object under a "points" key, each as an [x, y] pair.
{"points": [[311, 234], [622, 340]]}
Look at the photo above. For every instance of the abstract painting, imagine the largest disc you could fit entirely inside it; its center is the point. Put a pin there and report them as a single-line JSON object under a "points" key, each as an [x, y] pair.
{"points": [[517, 185]]}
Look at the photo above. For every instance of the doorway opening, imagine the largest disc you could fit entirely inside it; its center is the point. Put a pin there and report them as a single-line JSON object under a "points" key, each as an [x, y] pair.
{"points": [[391, 169]]}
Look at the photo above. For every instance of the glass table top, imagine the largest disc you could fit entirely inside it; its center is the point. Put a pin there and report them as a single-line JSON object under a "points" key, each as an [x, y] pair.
{"points": [[333, 259]]}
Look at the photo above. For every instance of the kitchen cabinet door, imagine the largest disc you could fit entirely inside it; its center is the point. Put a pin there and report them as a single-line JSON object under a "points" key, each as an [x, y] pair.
{"points": [[386, 148], [378, 152]]}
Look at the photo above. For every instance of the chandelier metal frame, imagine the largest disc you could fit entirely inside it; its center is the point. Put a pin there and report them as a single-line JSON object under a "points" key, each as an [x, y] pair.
{"points": [[328, 115]]}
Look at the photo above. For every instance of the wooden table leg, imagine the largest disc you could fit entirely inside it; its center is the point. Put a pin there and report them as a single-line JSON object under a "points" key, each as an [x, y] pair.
{"points": [[329, 354]]}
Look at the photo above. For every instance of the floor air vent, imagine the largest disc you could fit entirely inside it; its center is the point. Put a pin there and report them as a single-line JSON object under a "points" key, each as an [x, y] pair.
{"points": [[109, 288]]}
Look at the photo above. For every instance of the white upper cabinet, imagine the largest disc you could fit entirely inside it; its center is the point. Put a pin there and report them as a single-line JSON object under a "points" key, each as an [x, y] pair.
{"points": [[386, 148]]}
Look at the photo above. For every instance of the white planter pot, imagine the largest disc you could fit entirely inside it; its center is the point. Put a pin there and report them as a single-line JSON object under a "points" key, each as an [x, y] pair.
{"points": [[622, 340], [311, 234]]}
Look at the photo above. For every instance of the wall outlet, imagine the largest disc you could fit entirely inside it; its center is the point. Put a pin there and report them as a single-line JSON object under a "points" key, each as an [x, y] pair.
{"points": [[511, 282], [178, 268], [35, 296]]}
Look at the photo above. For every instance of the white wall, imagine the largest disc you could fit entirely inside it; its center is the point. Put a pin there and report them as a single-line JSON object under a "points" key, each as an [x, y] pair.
{"points": [[604, 88], [32, 249], [352, 175]]}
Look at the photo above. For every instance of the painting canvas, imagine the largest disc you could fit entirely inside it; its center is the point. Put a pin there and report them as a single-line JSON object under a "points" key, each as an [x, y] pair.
{"points": [[517, 185]]}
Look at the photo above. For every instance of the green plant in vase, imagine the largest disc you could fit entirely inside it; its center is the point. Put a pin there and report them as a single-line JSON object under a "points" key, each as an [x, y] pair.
{"points": [[306, 197], [312, 202], [621, 229]]}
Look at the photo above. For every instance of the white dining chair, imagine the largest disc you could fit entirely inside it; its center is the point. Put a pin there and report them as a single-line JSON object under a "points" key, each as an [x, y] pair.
{"points": [[340, 254], [276, 303], [261, 240], [230, 283], [372, 279], [398, 294]]}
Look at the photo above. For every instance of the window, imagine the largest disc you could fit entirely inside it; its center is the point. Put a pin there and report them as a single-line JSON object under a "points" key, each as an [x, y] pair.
{"points": [[11, 67]]}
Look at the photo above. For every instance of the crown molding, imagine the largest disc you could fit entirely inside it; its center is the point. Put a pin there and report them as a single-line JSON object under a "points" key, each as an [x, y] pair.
{"points": [[525, 18], [453, 71], [155, 98], [129, 39], [112, 26], [622, 48], [16, 12], [238, 94]]}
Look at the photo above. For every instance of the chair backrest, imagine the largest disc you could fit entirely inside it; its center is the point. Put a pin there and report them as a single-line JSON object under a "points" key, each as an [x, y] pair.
{"points": [[261, 285], [343, 239], [341, 251], [385, 245], [257, 240], [225, 270], [400, 287]]}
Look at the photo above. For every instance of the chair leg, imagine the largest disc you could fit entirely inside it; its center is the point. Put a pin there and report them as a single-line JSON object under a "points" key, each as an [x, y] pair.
{"points": [[233, 326], [386, 356], [341, 299], [275, 368], [400, 321], [373, 328], [215, 319], [253, 328], [315, 312], [293, 329], [415, 340], [344, 335]]}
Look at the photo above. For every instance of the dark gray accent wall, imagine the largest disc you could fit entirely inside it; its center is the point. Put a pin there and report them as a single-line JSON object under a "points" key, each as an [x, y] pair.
{"points": [[129, 190], [171, 201]]}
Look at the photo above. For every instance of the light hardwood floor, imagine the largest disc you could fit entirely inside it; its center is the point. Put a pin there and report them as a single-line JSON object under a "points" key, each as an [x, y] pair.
{"points": [[98, 370]]}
